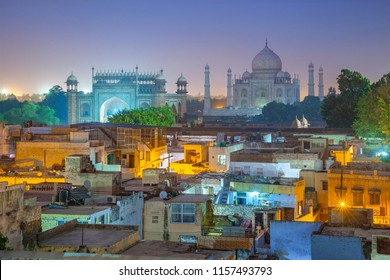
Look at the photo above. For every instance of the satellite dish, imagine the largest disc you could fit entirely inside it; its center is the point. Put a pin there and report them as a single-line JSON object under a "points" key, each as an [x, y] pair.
{"points": [[163, 195]]}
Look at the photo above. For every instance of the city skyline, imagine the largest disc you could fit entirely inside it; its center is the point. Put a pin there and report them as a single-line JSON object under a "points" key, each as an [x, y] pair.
{"points": [[44, 42]]}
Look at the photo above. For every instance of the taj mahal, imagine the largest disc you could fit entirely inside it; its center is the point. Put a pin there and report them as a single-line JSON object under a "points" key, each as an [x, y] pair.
{"points": [[251, 91], [113, 91]]}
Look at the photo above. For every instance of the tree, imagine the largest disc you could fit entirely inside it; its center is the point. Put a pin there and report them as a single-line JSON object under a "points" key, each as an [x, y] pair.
{"points": [[57, 100], [152, 116], [3, 242], [311, 108], [372, 115], [384, 114], [30, 111], [341, 110]]}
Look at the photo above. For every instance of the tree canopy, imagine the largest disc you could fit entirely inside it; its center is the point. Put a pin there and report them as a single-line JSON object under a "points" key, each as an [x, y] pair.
{"points": [[27, 111], [57, 100], [373, 111], [340, 110], [152, 116]]}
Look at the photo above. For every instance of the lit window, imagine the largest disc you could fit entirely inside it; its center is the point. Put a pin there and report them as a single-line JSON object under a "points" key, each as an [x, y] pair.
{"points": [[221, 159], [324, 185], [183, 213]]}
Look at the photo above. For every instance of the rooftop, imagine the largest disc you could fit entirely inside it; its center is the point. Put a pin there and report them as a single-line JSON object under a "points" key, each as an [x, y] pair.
{"points": [[354, 232], [73, 210], [153, 249], [93, 236]]}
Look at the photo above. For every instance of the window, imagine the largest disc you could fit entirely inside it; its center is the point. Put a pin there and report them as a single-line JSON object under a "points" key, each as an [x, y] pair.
{"points": [[154, 219], [247, 170], [260, 171], [147, 156], [300, 206], [375, 197], [357, 197], [183, 213], [241, 198], [221, 159], [324, 185]]}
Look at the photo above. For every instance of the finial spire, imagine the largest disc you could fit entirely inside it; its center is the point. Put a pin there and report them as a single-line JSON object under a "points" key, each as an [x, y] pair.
{"points": [[266, 42]]}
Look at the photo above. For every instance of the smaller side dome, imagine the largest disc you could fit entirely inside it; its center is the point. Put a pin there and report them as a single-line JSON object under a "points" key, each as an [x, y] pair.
{"points": [[182, 79], [280, 74], [160, 76], [296, 123], [246, 75], [71, 78]]}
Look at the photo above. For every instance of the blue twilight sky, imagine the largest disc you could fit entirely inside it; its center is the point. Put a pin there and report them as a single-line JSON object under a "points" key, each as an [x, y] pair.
{"points": [[43, 41]]}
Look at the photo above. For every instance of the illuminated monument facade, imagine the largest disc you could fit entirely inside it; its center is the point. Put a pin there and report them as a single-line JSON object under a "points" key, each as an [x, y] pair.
{"points": [[252, 91], [113, 91]]}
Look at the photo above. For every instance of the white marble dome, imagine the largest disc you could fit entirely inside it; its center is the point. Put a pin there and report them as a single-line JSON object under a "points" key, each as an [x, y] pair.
{"points": [[266, 60]]}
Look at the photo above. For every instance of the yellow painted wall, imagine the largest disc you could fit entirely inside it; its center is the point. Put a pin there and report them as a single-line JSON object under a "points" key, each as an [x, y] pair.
{"points": [[49, 152], [365, 181]]}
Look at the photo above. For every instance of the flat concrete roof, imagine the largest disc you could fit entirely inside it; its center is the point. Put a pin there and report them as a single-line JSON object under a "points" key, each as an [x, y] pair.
{"points": [[152, 249], [93, 237], [74, 210], [184, 198], [194, 198], [355, 232]]}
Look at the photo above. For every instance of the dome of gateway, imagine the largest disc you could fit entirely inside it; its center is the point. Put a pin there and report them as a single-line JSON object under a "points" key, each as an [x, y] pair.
{"points": [[71, 78], [266, 60]]}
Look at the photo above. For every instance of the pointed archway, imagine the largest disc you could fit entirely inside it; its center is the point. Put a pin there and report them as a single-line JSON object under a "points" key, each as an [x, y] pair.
{"points": [[110, 107]]}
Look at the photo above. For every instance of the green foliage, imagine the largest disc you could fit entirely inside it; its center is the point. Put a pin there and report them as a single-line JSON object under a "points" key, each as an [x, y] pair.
{"points": [[311, 108], [341, 110], [275, 112], [152, 116], [384, 115], [385, 159], [19, 113], [56, 99], [373, 114], [3, 242], [279, 112]]}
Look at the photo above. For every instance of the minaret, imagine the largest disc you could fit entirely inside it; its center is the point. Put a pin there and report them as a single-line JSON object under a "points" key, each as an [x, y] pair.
{"points": [[321, 83], [311, 80], [206, 89], [229, 88]]}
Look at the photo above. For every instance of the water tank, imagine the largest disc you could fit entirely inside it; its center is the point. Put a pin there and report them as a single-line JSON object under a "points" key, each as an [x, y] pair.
{"points": [[318, 165], [63, 196], [328, 163]]}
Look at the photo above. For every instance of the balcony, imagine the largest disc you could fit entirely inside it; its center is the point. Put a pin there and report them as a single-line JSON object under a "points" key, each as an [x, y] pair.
{"points": [[227, 231]]}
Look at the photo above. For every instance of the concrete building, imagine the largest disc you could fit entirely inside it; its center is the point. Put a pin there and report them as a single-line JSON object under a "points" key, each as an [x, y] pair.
{"points": [[133, 147], [47, 151], [292, 240], [72, 237], [349, 243], [261, 200], [361, 185], [195, 159], [12, 213], [56, 216], [169, 219], [8, 135]]}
